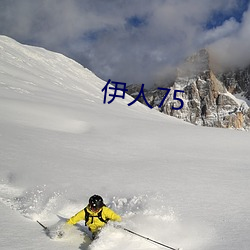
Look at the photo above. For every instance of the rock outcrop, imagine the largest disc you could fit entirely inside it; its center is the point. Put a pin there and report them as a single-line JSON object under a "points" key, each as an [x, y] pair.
{"points": [[208, 98]]}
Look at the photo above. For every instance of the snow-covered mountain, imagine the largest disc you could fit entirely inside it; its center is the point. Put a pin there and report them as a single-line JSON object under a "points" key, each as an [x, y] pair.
{"points": [[209, 96], [182, 185]]}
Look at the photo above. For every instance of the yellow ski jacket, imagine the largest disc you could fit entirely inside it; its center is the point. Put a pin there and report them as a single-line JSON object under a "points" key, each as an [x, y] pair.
{"points": [[94, 223]]}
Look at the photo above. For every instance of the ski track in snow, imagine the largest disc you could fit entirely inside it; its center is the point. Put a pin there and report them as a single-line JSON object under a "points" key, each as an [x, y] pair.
{"points": [[145, 214]]}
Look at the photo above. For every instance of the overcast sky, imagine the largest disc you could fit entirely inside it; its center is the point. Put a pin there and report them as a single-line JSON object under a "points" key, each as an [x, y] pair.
{"points": [[133, 41]]}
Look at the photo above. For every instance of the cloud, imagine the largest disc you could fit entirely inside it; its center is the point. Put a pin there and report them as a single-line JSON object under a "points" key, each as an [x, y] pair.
{"points": [[130, 41], [232, 50], [228, 28]]}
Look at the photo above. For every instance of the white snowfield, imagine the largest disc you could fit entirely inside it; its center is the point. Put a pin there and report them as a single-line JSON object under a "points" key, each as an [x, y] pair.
{"points": [[182, 185]]}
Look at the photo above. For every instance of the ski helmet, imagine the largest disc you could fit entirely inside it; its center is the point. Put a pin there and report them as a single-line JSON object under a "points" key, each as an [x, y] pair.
{"points": [[95, 202]]}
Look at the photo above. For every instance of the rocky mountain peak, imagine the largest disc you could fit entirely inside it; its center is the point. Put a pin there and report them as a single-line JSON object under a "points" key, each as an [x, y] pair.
{"points": [[237, 81], [194, 65], [208, 96]]}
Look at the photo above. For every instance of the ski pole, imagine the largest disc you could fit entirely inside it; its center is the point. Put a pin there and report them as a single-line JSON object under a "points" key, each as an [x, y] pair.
{"points": [[146, 238], [45, 228]]}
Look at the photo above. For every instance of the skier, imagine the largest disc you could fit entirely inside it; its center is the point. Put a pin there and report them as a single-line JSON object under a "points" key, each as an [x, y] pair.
{"points": [[95, 214]]}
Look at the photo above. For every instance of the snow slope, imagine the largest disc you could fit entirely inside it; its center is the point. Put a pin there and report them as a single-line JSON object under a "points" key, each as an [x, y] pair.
{"points": [[176, 183]]}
